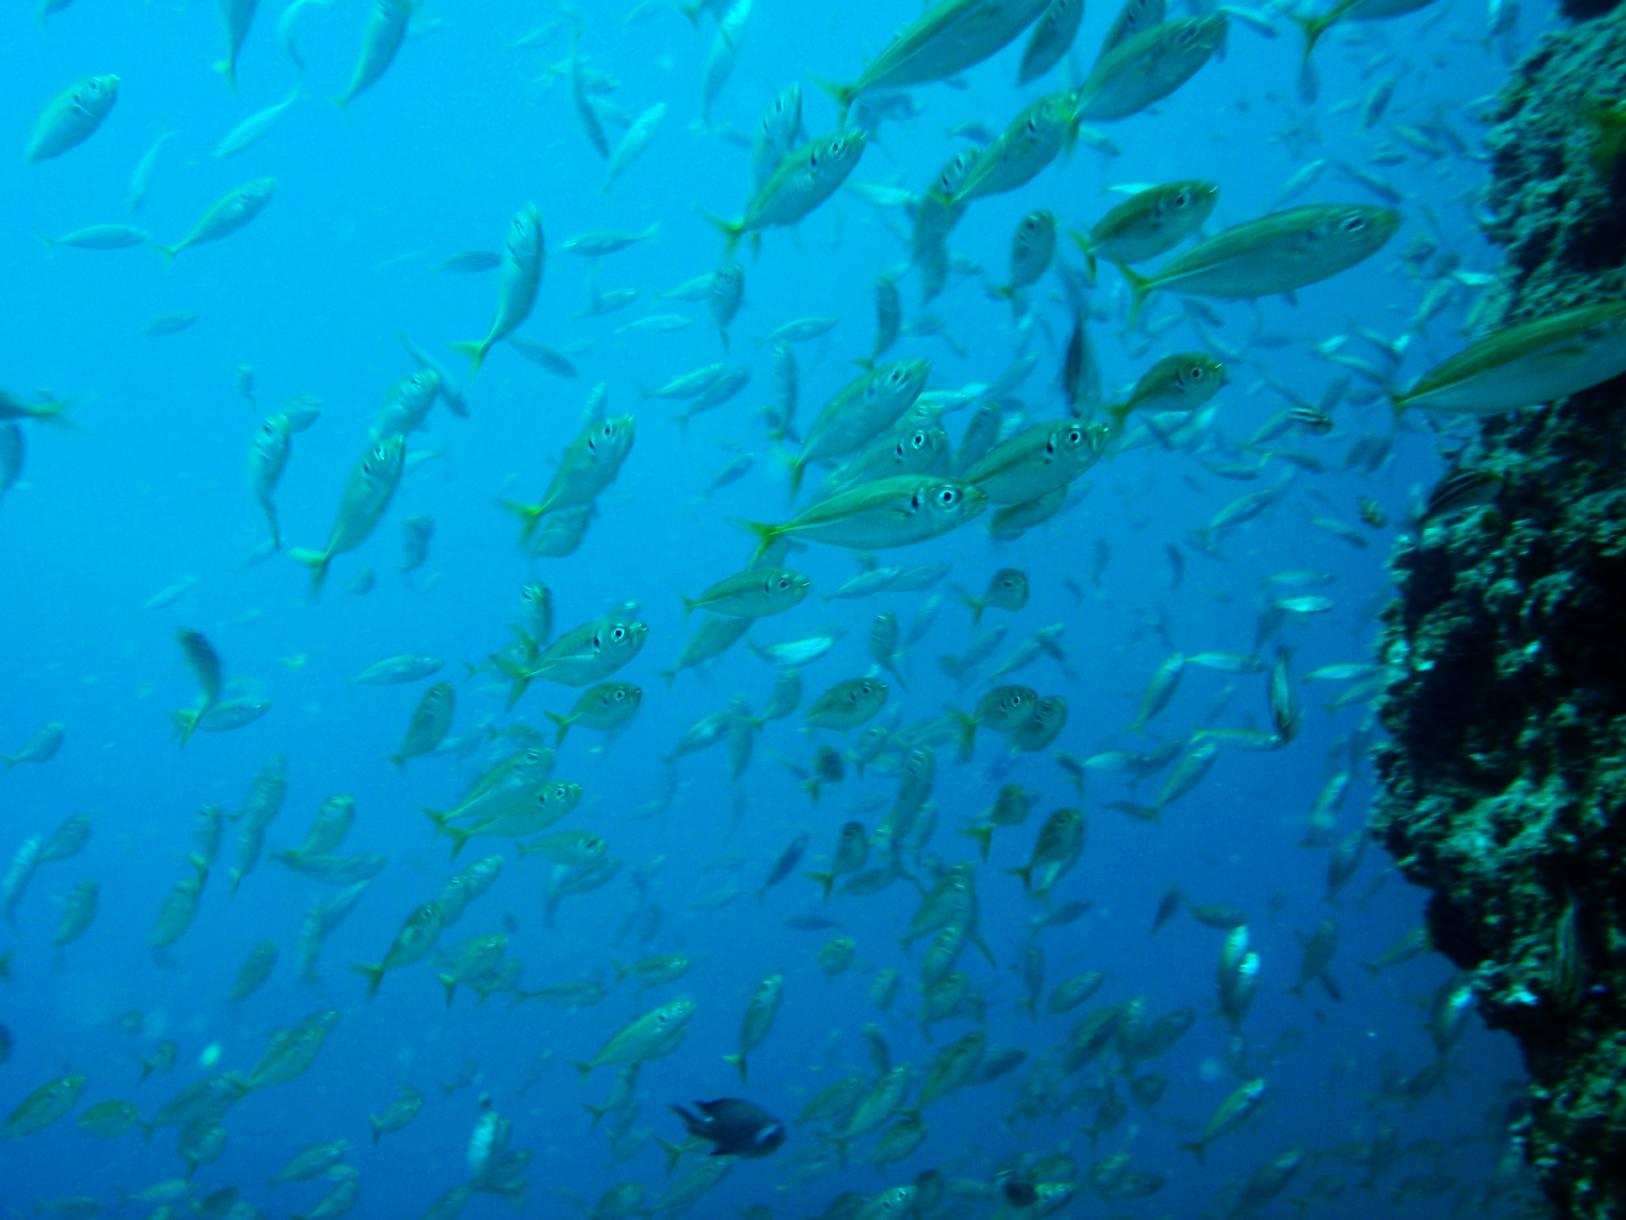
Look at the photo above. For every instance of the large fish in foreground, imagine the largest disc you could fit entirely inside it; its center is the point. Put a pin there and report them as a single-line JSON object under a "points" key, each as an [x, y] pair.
{"points": [[949, 37], [1275, 253], [368, 493], [1527, 363]]}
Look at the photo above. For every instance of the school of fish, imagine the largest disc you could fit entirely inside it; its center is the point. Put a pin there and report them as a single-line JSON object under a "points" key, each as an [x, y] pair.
{"points": [[892, 521]]}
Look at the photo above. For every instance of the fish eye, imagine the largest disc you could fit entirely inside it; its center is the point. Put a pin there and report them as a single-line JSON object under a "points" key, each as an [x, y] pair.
{"points": [[783, 583], [1182, 199], [560, 792], [895, 377], [618, 634], [948, 497], [1353, 223], [619, 695], [1075, 436], [918, 440], [1196, 372]]}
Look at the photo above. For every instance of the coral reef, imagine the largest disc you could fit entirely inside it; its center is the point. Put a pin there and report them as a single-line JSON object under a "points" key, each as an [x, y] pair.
{"points": [[1504, 786]]}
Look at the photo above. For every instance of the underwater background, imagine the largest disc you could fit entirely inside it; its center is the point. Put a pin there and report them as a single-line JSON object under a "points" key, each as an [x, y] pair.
{"points": [[137, 520]]}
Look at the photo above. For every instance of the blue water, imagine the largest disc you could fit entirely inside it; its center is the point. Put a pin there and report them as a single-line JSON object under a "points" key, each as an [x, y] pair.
{"points": [[149, 489]]}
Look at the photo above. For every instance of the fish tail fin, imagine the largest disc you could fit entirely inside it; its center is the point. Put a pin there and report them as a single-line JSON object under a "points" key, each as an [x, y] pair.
{"points": [[186, 723], [475, 350], [528, 514], [1139, 287], [1087, 249], [460, 839], [826, 881], [730, 229], [597, 1112], [673, 1153], [228, 69], [583, 1068], [450, 984], [976, 605], [1197, 1149], [563, 722], [378, 1131], [317, 562], [375, 979], [797, 466], [1025, 872], [843, 95], [440, 820], [1313, 28], [765, 534], [670, 675], [738, 1062], [983, 833], [54, 413]]}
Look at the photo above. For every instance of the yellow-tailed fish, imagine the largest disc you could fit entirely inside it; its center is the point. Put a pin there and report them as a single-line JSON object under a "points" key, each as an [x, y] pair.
{"points": [[367, 495], [1527, 363], [386, 30], [883, 513], [802, 181], [1276, 253], [72, 117], [946, 39], [520, 277], [230, 213], [1149, 223]]}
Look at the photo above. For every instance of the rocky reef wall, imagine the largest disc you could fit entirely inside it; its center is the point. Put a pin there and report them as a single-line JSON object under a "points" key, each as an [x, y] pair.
{"points": [[1504, 785]]}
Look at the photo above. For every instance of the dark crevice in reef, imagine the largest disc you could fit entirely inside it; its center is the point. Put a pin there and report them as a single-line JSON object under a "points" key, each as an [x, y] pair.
{"points": [[1504, 785]]}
